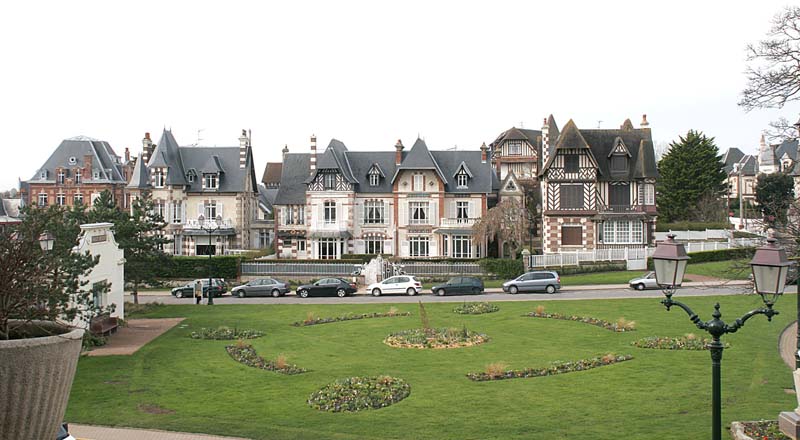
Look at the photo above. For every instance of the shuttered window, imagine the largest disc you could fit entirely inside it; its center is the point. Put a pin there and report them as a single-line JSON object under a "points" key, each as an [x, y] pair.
{"points": [[571, 196], [571, 163], [571, 235], [619, 195]]}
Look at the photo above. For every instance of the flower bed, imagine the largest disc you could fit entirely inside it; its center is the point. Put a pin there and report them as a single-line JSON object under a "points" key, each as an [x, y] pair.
{"points": [[554, 368], [687, 342], [246, 354], [763, 430], [476, 308], [312, 320], [226, 333], [622, 325], [360, 393], [435, 338]]}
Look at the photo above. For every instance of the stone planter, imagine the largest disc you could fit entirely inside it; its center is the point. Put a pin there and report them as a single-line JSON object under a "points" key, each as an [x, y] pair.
{"points": [[35, 380]]}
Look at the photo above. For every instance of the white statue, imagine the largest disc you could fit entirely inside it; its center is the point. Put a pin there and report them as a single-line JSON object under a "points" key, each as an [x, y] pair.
{"points": [[796, 375]]}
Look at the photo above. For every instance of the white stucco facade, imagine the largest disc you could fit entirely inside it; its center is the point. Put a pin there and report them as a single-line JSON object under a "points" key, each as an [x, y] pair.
{"points": [[98, 240]]}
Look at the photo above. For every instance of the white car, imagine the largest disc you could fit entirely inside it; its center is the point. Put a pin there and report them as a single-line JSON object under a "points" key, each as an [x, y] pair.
{"points": [[647, 281], [397, 284]]}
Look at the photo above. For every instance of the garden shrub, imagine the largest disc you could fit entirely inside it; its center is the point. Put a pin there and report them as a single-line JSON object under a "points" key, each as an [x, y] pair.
{"points": [[246, 354], [226, 333], [686, 342], [502, 267], [589, 268], [311, 319], [435, 338], [555, 368], [691, 226], [198, 267], [476, 308], [360, 393], [718, 255], [622, 324]]}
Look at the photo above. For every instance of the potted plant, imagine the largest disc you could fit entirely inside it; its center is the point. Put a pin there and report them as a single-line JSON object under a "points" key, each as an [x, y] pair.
{"points": [[43, 297]]}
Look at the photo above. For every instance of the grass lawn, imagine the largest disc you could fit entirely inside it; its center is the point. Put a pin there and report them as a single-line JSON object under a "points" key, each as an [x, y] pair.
{"points": [[177, 383], [731, 270]]}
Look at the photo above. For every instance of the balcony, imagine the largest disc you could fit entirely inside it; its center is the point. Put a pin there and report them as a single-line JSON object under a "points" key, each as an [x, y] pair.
{"points": [[620, 208], [457, 222], [208, 224], [337, 225]]}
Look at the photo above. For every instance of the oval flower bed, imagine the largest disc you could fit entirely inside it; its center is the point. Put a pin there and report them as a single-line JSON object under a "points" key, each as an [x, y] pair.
{"points": [[554, 368], [435, 338], [622, 325], [476, 308], [687, 342], [246, 354], [226, 333], [313, 320], [360, 393]]}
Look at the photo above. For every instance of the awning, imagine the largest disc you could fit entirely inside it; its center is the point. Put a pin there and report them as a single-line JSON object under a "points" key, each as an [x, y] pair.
{"points": [[330, 234], [453, 231]]}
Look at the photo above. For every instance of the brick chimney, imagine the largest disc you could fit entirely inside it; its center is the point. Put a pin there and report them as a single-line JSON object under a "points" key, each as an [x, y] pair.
{"points": [[244, 142], [285, 151], [87, 167], [545, 141], [147, 148], [644, 123], [398, 155], [127, 155], [313, 160], [483, 152]]}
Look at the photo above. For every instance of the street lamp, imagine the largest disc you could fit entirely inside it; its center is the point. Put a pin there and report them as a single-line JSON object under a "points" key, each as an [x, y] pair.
{"points": [[770, 266], [46, 240], [208, 229]]}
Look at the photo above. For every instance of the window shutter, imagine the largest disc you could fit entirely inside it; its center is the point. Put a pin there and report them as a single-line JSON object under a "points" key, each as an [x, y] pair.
{"points": [[321, 213], [402, 213], [404, 249], [183, 212], [219, 210], [200, 209], [433, 208], [360, 247], [433, 249], [473, 210], [359, 207], [450, 206]]}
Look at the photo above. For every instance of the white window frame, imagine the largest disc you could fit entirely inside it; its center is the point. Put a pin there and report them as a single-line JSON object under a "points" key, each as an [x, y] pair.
{"points": [[301, 214], [211, 181], [373, 245], [61, 199], [77, 199], [461, 246], [61, 176], [78, 176], [374, 212], [418, 213], [514, 148], [159, 208], [326, 248], [329, 181], [329, 212], [42, 199], [301, 245], [419, 246], [177, 212], [623, 232], [374, 179], [462, 210], [159, 178], [461, 179], [210, 210], [419, 182]]}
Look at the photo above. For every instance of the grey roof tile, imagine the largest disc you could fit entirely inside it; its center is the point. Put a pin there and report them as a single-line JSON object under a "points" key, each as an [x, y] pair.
{"points": [[294, 173], [104, 159], [419, 158], [140, 178], [361, 163]]}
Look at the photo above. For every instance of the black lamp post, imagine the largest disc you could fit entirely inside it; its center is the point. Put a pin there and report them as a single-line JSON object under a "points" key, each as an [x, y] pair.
{"points": [[770, 267], [209, 229]]}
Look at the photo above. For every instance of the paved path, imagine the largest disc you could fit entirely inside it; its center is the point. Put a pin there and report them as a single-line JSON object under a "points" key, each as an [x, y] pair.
{"points": [[138, 332], [86, 432]]}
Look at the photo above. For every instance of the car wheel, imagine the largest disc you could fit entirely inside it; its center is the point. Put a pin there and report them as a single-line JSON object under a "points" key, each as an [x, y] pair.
{"points": [[640, 286], [441, 292], [341, 293], [241, 293], [551, 289], [276, 293], [376, 292], [179, 294], [303, 293], [476, 290], [513, 290], [411, 292]]}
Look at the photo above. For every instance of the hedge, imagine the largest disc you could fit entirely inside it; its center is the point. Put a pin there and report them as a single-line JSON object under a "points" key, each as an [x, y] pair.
{"points": [[718, 255], [589, 268], [691, 226], [503, 268], [198, 267]]}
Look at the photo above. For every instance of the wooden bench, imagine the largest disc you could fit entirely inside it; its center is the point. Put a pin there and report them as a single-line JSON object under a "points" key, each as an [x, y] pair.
{"points": [[103, 325]]}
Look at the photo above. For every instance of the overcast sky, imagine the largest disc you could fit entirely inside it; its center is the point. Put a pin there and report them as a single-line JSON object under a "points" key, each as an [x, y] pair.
{"points": [[456, 73]]}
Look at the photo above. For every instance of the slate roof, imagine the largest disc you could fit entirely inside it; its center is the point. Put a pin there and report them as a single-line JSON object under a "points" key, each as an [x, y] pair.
{"points": [[788, 148], [139, 177], [334, 158], [362, 161], [272, 174], [419, 158], [730, 157], [449, 162], [180, 160], [104, 160], [748, 165], [294, 173], [266, 198]]}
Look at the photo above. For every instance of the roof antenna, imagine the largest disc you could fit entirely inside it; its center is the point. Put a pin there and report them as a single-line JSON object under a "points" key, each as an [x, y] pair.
{"points": [[521, 124], [598, 123], [198, 137]]}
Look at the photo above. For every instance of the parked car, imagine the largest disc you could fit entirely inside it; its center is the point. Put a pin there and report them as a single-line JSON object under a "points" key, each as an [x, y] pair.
{"points": [[540, 280], [261, 287], [647, 281], [327, 287], [218, 287], [398, 284], [63, 433], [459, 285]]}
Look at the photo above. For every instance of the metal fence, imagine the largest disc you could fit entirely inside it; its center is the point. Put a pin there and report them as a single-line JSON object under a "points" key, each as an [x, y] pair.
{"points": [[444, 268], [578, 257], [316, 268]]}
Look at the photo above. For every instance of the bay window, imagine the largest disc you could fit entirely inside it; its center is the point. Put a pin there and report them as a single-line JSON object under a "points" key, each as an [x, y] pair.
{"points": [[623, 232]]}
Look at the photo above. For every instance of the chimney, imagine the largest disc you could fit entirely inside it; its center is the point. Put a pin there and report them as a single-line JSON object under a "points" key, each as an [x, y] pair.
{"points": [[127, 155], [398, 155], [545, 141], [644, 123], [244, 143], [87, 167], [483, 152], [285, 151], [313, 161], [147, 148]]}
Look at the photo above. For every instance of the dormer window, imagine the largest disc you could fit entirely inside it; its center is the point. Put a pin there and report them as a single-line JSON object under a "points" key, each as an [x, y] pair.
{"points": [[375, 175], [211, 181], [461, 179], [190, 176], [95, 175], [419, 181], [514, 148], [159, 178], [329, 181], [43, 174], [374, 179], [619, 163], [61, 176]]}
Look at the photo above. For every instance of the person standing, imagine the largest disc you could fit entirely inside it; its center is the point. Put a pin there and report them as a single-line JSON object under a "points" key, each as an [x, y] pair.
{"points": [[198, 291]]}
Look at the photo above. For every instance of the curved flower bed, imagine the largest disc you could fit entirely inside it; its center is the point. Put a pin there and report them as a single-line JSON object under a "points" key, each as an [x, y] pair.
{"points": [[687, 342], [311, 320], [476, 308], [555, 368], [435, 338], [226, 333], [621, 325], [360, 393], [246, 354]]}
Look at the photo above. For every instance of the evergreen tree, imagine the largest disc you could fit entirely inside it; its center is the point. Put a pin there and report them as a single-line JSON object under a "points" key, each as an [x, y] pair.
{"points": [[691, 169], [774, 195]]}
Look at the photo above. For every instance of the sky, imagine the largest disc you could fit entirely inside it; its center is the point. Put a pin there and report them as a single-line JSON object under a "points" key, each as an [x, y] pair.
{"points": [[456, 73]]}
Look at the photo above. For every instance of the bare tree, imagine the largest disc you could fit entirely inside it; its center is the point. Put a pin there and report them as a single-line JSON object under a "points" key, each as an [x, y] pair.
{"points": [[505, 223], [660, 149], [780, 130], [773, 75]]}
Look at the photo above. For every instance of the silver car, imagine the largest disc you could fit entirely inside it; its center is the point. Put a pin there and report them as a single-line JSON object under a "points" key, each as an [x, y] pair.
{"points": [[648, 281], [541, 280], [261, 287]]}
